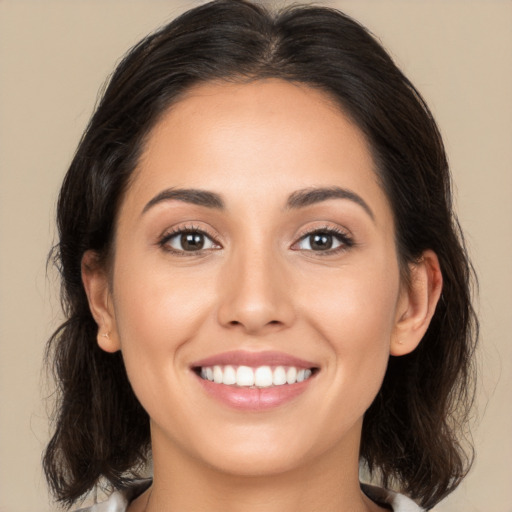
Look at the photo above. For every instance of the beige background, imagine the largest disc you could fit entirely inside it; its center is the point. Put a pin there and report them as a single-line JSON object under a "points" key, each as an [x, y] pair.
{"points": [[54, 55]]}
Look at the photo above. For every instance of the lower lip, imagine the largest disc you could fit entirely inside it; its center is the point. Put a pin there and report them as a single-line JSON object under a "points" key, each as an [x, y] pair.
{"points": [[254, 399]]}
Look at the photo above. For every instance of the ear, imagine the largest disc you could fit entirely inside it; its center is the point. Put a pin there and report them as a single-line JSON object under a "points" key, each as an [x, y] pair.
{"points": [[96, 284], [417, 304]]}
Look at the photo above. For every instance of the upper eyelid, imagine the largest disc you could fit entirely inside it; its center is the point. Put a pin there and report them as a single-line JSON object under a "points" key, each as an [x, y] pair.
{"points": [[326, 229], [174, 231]]}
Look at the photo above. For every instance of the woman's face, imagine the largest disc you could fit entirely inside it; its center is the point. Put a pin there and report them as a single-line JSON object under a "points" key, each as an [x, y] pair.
{"points": [[255, 243]]}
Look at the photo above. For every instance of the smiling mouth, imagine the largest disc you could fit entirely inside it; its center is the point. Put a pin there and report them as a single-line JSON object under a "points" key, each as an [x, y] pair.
{"points": [[258, 377]]}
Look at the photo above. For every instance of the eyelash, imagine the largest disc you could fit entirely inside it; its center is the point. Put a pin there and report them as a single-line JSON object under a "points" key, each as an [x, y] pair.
{"points": [[169, 235], [343, 237], [346, 240]]}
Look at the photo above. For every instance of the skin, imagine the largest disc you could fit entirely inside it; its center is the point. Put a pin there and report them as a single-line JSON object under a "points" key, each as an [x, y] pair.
{"points": [[258, 286]]}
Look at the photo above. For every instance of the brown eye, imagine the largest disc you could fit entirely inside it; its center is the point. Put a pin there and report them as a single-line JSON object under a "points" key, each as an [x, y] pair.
{"points": [[192, 241], [324, 240], [320, 242], [188, 241]]}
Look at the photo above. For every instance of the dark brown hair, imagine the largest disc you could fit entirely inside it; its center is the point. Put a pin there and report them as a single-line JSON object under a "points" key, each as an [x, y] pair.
{"points": [[412, 431]]}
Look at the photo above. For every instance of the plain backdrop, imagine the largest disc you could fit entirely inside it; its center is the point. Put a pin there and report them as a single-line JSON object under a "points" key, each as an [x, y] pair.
{"points": [[54, 56]]}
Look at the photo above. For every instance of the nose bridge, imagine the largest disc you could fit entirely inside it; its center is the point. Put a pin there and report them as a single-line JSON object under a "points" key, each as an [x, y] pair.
{"points": [[255, 294]]}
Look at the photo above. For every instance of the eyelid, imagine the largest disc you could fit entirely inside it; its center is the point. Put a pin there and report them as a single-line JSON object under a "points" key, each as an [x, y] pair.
{"points": [[343, 235], [170, 233], [324, 228]]}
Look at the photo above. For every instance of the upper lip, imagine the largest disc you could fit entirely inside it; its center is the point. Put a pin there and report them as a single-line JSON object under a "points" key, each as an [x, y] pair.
{"points": [[254, 359]]}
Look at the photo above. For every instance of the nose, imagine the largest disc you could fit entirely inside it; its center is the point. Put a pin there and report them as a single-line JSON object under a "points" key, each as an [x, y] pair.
{"points": [[255, 293]]}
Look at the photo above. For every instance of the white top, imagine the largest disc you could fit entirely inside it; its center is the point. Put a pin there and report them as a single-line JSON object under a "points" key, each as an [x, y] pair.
{"points": [[119, 500]]}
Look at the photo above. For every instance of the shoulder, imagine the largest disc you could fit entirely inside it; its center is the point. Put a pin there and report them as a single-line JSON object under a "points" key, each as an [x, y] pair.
{"points": [[119, 500], [398, 502]]}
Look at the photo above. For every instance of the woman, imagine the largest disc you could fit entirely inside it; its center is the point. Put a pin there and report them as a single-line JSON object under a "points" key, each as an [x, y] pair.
{"points": [[264, 279]]}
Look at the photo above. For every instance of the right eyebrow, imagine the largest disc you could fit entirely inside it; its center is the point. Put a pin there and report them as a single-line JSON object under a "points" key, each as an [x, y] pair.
{"points": [[187, 195]]}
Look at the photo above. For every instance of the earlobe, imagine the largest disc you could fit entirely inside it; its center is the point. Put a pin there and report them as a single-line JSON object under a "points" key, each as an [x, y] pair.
{"points": [[96, 284], [417, 304]]}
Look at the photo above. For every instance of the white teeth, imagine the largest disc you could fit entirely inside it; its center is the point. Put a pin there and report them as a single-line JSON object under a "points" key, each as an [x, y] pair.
{"points": [[291, 375], [261, 377], [279, 376], [217, 374], [244, 376], [229, 375]]}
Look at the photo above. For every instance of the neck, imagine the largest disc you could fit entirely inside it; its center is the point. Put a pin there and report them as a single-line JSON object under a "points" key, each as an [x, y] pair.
{"points": [[184, 484]]}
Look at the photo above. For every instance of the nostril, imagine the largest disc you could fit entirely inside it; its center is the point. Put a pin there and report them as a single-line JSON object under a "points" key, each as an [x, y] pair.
{"points": [[272, 322]]}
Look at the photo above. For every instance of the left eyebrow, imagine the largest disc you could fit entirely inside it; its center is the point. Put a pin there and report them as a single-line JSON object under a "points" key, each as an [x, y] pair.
{"points": [[187, 195], [309, 196]]}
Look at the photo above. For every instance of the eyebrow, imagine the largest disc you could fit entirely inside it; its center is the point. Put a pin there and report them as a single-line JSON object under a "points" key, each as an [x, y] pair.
{"points": [[309, 196], [298, 199], [187, 195]]}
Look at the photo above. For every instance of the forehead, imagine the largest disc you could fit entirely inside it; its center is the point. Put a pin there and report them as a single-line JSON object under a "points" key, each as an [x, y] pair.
{"points": [[254, 139]]}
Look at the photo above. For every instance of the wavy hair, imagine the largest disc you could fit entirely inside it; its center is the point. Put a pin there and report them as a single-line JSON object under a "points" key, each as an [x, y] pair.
{"points": [[412, 432]]}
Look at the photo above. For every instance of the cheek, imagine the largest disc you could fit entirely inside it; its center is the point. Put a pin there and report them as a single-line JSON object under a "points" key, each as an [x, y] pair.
{"points": [[355, 313], [156, 310], [355, 307]]}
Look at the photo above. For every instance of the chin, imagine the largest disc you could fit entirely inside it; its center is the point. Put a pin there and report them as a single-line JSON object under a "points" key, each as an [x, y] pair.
{"points": [[265, 450], [257, 463]]}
